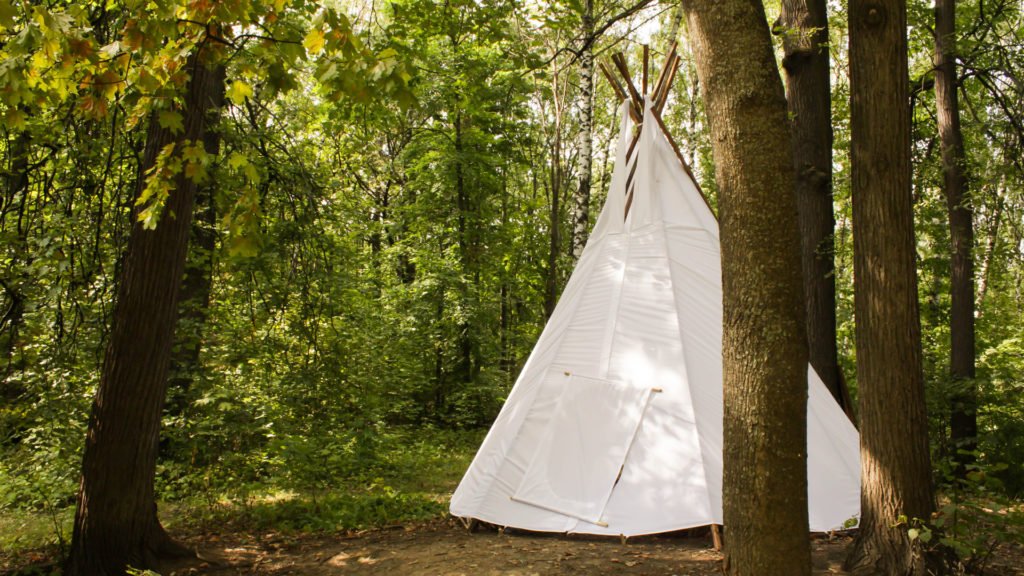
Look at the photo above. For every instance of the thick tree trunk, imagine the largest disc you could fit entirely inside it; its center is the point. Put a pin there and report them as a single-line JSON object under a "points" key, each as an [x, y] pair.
{"points": [[764, 342], [895, 465], [194, 300], [116, 525], [581, 208], [809, 96], [964, 401]]}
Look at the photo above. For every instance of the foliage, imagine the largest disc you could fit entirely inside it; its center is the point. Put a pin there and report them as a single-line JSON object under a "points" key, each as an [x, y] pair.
{"points": [[975, 519], [381, 212], [406, 478]]}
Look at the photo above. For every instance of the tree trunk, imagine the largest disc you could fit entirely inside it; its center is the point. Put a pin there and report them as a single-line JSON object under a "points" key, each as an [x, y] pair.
{"points": [[116, 525], [806, 63], [581, 212], [467, 256], [555, 209], [990, 251], [764, 343], [964, 401], [194, 300], [674, 23], [895, 466]]}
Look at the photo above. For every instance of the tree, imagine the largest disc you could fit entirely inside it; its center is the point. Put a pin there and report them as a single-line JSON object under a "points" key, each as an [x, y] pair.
{"points": [[895, 465], [805, 39], [116, 524], [581, 208], [764, 340], [197, 280], [964, 401]]}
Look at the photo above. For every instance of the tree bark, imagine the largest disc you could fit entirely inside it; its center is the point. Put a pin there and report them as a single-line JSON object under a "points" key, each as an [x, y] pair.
{"points": [[674, 23], [116, 525], [895, 465], [467, 256], [764, 342], [964, 400], [555, 206], [809, 93], [990, 251], [581, 212], [194, 300]]}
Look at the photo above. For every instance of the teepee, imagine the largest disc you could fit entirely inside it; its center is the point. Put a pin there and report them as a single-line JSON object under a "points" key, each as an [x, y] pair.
{"points": [[614, 425]]}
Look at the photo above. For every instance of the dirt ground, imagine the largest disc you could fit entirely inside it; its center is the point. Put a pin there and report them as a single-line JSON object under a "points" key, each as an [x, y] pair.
{"points": [[445, 548]]}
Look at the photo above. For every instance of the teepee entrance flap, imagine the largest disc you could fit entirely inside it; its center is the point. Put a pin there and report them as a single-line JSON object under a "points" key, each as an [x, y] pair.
{"points": [[584, 447]]}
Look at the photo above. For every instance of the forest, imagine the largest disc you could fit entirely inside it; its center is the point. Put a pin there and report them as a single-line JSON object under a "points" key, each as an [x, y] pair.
{"points": [[269, 269]]}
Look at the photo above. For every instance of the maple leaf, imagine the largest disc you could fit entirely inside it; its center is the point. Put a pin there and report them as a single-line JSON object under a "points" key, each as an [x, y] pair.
{"points": [[239, 91], [171, 120]]}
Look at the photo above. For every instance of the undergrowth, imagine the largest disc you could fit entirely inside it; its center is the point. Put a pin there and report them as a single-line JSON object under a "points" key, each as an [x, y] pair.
{"points": [[407, 477]]}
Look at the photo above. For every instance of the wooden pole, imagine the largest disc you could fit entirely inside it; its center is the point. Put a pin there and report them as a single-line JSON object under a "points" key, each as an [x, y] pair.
{"points": [[716, 537], [671, 76], [619, 91], [620, 63], [664, 66], [647, 55]]}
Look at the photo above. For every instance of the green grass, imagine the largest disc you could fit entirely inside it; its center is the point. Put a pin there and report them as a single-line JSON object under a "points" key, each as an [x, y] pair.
{"points": [[408, 478], [31, 536]]}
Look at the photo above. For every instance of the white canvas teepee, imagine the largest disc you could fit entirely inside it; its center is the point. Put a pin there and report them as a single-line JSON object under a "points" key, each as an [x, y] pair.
{"points": [[615, 424]]}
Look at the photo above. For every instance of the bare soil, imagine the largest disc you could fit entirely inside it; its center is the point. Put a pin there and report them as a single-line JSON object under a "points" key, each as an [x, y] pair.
{"points": [[446, 548]]}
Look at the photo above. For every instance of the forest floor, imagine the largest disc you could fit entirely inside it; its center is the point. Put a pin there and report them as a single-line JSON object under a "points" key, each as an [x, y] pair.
{"points": [[445, 548]]}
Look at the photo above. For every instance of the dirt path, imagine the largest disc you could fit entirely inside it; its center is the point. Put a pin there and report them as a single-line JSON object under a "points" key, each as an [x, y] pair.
{"points": [[447, 549]]}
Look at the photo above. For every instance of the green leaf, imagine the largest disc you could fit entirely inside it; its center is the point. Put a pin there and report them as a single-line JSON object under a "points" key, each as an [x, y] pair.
{"points": [[242, 246], [8, 14], [238, 92], [251, 174], [913, 533], [237, 160], [15, 119], [171, 120]]}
